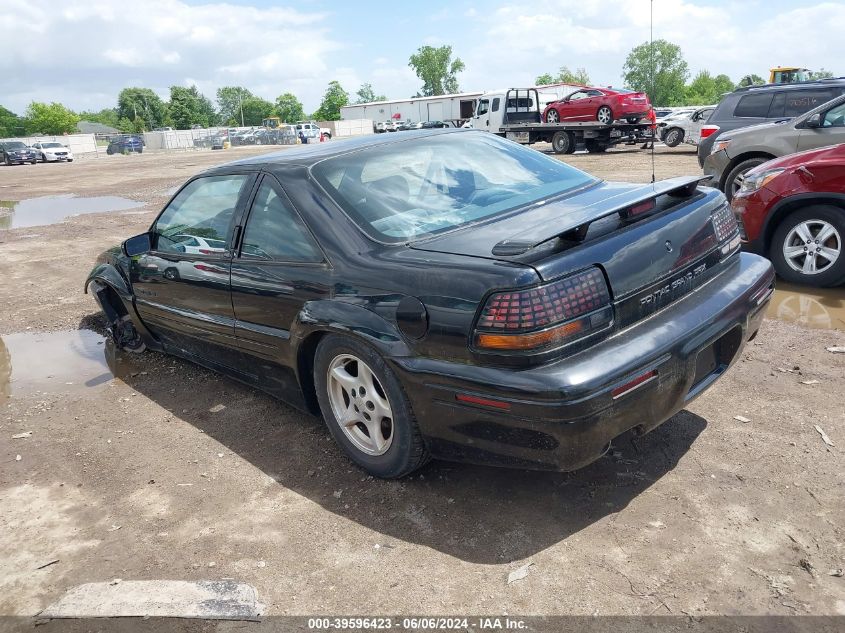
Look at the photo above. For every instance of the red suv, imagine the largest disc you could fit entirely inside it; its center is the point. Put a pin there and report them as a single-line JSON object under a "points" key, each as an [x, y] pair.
{"points": [[792, 209], [604, 105]]}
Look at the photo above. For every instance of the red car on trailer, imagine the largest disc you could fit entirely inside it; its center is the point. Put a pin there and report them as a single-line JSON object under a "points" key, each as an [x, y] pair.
{"points": [[604, 105]]}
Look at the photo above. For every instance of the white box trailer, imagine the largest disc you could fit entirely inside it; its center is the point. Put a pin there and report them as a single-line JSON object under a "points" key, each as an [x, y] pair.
{"points": [[456, 108]]}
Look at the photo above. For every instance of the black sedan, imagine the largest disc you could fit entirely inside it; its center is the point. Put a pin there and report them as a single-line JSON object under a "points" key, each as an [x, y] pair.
{"points": [[12, 152], [444, 293]]}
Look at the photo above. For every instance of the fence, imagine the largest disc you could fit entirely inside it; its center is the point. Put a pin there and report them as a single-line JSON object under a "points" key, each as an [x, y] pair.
{"points": [[79, 144]]}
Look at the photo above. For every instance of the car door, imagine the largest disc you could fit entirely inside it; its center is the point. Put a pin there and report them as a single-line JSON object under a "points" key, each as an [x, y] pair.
{"points": [[481, 120], [182, 294], [277, 269], [576, 107], [831, 131]]}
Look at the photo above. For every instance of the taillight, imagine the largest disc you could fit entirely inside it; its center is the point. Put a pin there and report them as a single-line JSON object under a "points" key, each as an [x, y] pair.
{"points": [[727, 230], [708, 130], [547, 316]]}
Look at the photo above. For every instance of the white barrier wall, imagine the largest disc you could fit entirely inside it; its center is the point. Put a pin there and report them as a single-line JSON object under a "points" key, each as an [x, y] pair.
{"points": [[78, 143], [346, 128]]}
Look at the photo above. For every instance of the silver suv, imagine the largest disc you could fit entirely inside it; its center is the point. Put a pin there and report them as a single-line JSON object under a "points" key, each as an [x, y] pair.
{"points": [[736, 152]]}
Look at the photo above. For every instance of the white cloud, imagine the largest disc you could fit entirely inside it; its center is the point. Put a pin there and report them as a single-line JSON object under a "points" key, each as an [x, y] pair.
{"points": [[85, 53]]}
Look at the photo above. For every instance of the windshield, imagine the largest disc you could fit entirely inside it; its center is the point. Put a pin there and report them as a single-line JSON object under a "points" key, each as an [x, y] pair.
{"points": [[15, 145], [51, 145], [428, 185]]}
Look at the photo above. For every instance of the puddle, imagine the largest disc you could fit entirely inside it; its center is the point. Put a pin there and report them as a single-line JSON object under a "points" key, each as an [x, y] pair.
{"points": [[54, 362], [55, 209], [816, 308]]}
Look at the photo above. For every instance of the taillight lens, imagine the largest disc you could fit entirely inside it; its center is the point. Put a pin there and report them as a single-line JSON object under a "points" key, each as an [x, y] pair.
{"points": [[546, 316], [727, 230], [708, 130]]}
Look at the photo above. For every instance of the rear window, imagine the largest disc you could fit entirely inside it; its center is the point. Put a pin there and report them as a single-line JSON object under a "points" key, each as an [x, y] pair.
{"points": [[420, 187], [754, 106]]}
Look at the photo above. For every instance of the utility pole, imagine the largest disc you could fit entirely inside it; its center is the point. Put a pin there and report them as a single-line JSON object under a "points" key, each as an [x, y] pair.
{"points": [[241, 101]]}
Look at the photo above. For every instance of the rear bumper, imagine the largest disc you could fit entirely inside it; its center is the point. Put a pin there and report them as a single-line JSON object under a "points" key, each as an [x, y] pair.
{"points": [[561, 416]]}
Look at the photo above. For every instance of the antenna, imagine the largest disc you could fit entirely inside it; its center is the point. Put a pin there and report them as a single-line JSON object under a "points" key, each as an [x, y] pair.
{"points": [[651, 55]]}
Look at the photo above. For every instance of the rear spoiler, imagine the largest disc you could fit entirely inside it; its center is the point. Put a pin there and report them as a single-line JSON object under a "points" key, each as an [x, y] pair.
{"points": [[576, 223]]}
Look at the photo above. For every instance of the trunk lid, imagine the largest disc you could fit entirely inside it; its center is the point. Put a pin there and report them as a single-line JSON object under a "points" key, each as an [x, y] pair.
{"points": [[586, 229]]}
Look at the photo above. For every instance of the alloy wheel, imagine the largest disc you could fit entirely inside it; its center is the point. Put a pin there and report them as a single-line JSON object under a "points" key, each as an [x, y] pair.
{"points": [[604, 115], [360, 404], [552, 116], [812, 246]]}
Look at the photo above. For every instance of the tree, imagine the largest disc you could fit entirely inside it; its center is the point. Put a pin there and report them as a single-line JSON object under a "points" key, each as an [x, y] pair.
{"points": [[565, 76], [706, 89], [288, 108], [50, 119], [188, 107], [10, 124], [437, 70], [144, 104], [659, 70], [229, 99], [821, 73], [333, 100], [750, 80], [366, 94], [255, 110]]}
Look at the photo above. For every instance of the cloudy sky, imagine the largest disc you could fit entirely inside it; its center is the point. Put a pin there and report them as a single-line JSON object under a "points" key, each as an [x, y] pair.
{"points": [[83, 52]]}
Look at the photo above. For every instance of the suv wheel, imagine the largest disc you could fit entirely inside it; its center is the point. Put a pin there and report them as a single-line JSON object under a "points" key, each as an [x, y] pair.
{"points": [[366, 409], [807, 246], [734, 180]]}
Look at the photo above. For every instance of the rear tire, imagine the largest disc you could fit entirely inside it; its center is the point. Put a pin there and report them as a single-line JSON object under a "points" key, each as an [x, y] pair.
{"points": [[822, 221], [734, 180], [604, 115], [343, 365], [673, 137], [563, 142]]}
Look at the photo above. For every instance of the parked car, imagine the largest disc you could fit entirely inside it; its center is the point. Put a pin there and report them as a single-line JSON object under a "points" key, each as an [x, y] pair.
{"points": [[431, 125], [51, 151], [12, 152], [310, 130], [684, 126], [737, 152], [442, 311], [764, 104], [604, 105], [125, 144], [380, 127], [199, 245], [792, 209]]}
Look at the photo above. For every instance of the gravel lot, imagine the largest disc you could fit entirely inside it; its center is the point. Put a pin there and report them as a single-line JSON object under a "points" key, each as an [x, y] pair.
{"points": [[143, 476]]}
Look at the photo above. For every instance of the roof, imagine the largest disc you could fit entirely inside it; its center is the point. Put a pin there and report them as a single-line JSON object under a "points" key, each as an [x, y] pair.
{"points": [[412, 99], [793, 85], [309, 154], [90, 127]]}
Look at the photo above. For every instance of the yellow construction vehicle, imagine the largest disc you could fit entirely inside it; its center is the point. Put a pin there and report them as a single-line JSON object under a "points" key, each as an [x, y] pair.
{"points": [[788, 75], [271, 122]]}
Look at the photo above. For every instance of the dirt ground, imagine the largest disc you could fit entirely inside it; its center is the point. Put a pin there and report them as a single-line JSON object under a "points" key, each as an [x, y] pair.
{"points": [[143, 476]]}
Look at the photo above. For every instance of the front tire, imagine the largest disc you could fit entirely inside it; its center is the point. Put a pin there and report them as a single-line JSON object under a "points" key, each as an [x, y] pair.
{"points": [[552, 116], [673, 137], [366, 409], [126, 337], [734, 180], [604, 115], [807, 246]]}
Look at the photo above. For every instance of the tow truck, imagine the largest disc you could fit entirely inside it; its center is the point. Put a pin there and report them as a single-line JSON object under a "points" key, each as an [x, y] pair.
{"points": [[516, 115]]}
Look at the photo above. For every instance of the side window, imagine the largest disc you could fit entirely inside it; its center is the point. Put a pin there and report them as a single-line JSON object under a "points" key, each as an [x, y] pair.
{"points": [[835, 117], [800, 101], [483, 106], [204, 209], [754, 106], [495, 106], [274, 231]]}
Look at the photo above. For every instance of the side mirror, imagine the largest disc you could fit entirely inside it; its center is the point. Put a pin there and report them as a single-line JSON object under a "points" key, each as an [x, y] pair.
{"points": [[137, 245], [814, 121]]}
